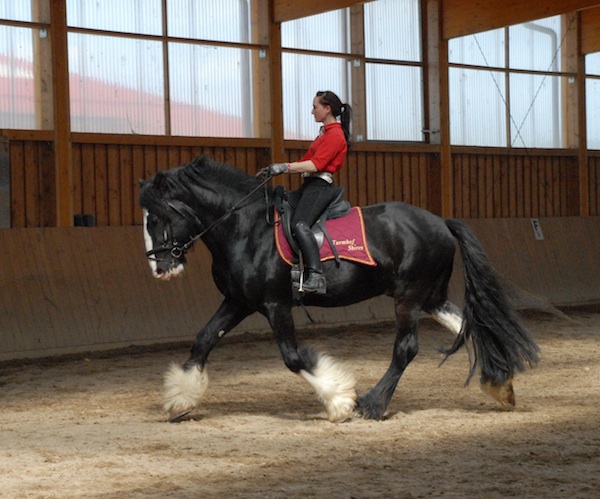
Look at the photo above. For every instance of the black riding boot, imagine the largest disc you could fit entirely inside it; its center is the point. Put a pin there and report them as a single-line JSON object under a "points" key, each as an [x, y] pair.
{"points": [[315, 282]]}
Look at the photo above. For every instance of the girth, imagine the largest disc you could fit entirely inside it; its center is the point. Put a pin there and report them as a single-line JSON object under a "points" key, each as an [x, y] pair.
{"points": [[337, 208]]}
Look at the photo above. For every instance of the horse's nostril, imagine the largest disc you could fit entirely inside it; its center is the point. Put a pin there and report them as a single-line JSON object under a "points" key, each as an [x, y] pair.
{"points": [[160, 271]]}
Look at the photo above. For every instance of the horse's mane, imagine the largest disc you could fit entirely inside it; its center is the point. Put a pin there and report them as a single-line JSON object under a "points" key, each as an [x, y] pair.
{"points": [[210, 171], [183, 182]]}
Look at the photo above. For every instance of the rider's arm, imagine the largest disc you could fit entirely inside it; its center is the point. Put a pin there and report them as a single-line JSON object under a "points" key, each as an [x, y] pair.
{"points": [[306, 166]]}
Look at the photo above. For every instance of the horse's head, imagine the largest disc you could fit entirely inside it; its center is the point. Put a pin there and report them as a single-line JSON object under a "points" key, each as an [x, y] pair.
{"points": [[169, 227], [173, 200]]}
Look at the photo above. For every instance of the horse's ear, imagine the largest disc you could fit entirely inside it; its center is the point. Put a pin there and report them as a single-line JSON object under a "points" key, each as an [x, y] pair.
{"points": [[161, 181], [142, 182]]}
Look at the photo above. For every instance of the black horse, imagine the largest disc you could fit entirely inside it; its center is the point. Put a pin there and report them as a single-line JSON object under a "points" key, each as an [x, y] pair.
{"points": [[414, 251]]}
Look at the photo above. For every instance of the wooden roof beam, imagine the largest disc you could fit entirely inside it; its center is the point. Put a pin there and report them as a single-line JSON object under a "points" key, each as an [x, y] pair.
{"points": [[466, 17], [590, 31], [289, 10]]}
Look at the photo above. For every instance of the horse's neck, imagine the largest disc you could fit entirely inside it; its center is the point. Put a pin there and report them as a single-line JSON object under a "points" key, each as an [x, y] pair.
{"points": [[226, 224]]}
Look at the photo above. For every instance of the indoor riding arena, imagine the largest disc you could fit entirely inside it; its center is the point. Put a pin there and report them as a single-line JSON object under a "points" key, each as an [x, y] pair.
{"points": [[484, 113]]}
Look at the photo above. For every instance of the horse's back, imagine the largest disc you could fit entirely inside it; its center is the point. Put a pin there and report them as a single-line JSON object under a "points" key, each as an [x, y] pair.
{"points": [[402, 220]]}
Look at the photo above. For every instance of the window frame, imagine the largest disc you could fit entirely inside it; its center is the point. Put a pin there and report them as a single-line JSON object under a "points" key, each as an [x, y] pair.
{"points": [[512, 133]]}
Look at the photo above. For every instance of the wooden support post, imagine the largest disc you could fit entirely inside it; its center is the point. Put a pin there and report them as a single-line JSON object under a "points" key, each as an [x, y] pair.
{"points": [[359, 93], [438, 111], [62, 114], [447, 184], [166, 71], [261, 91], [42, 67], [574, 129], [584, 186], [277, 145]]}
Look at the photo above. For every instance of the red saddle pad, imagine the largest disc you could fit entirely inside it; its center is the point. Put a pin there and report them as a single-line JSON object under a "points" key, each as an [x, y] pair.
{"points": [[347, 234]]}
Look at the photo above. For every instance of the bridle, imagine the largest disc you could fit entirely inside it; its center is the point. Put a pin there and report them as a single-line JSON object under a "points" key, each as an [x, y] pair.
{"points": [[178, 250]]}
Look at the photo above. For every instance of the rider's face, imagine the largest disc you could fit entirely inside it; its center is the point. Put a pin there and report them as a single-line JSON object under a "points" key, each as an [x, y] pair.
{"points": [[319, 111]]}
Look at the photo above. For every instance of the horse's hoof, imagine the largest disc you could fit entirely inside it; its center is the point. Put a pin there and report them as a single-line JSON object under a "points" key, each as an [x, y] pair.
{"points": [[343, 419], [503, 392], [177, 417], [367, 410], [340, 413]]}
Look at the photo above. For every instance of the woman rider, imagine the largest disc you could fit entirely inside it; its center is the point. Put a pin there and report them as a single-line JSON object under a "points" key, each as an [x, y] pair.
{"points": [[324, 157]]}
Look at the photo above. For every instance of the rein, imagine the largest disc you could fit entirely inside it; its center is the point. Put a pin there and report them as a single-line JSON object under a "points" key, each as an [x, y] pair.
{"points": [[177, 250]]}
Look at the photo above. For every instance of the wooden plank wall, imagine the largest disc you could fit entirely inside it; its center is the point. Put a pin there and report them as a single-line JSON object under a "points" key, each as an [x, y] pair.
{"points": [[32, 196], [501, 185], [77, 289], [106, 176], [486, 184], [371, 177], [562, 268], [594, 182]]}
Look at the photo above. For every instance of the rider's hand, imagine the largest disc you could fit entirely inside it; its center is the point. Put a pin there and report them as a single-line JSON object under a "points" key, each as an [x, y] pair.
{"points": [[278, 168], [273, 170]]}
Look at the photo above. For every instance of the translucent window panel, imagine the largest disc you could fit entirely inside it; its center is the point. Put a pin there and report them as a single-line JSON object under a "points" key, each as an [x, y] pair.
{"points": [[482, 49], [17, 80], [535, 45], [326, 32], [536, 110], [16, 10], [592, 91], [304, 76], [592, 64], [218, 20], [394, 102], [392, 30], [130, 16], [210, 90], [117, 85], [477, 108]]}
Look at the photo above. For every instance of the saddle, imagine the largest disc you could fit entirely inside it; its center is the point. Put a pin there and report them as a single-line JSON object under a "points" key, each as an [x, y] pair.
{"points": [[285, 206]]}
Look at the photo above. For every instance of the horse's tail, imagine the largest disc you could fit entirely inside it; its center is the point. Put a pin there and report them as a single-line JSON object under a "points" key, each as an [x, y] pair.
{"points": [[501, 344]]}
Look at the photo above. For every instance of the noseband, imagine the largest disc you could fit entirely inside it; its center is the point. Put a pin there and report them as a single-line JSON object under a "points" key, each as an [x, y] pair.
{"points": [[175, 249], [178, 250]]}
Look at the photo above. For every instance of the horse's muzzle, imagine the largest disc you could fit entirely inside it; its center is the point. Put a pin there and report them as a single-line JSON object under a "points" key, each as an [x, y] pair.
{"points": [[166, 274]]}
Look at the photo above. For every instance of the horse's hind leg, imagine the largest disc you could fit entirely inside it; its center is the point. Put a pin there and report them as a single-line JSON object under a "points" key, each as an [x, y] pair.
{"points": [[373, 404], [451, 317]]}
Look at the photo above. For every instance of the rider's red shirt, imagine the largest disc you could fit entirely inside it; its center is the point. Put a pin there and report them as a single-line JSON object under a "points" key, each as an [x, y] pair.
{"points": [[328, 150]]}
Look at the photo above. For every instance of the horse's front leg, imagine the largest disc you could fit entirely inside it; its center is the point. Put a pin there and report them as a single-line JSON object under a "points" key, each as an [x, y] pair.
{"points": [[185, 386], [335, 387]]}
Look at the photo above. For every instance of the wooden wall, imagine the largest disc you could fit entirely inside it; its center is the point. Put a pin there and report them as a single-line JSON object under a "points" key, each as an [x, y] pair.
{"points": [[485, 183], [66, 290], [512, 184], [373, 176], [76, 289], [106, 174], [594, 183], [32, 193]]}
